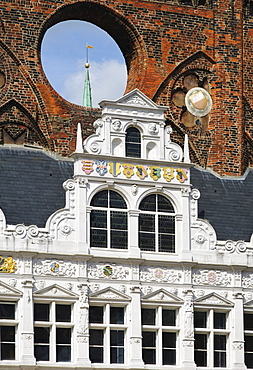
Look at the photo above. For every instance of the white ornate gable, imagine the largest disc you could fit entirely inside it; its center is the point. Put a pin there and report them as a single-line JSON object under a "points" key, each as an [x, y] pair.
{"points": [[55, 291], [213, 299], [110, 294], [161, 295], [136, 110]]}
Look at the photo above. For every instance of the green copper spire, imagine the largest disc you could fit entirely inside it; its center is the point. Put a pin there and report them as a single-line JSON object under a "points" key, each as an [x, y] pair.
{"points": [[87, 99]]}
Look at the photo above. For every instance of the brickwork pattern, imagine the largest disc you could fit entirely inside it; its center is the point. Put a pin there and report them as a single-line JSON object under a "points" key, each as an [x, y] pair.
{"points": [[161, 41]]}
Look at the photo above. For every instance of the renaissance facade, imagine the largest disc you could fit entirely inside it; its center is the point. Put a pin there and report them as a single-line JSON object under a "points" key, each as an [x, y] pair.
{"points": [[126, 276]]}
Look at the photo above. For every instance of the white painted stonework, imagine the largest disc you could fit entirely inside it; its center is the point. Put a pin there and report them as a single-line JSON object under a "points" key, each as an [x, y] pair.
{"points": [[56, 265]]}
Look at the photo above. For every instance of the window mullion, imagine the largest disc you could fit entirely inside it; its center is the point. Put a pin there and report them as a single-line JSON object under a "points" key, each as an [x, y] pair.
{"points": [[211, 338], [108, 228], [107, 334], [52, 337]]}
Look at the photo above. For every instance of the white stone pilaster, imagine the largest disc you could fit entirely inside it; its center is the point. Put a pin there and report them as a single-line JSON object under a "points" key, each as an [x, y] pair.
{"points": [[238, 333], [26, 323], [135, 329], [82, 339], [82, 231], [187, 333], [134, 250]]}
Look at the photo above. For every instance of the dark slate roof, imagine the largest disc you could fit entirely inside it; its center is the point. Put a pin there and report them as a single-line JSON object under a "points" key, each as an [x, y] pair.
{"points": [[31, 185], [31, 190], [227, 203]]}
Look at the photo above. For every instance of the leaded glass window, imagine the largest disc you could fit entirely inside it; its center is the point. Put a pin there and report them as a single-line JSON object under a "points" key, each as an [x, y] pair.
{"points": [[133, 142], [157, 224], [108, 221]]}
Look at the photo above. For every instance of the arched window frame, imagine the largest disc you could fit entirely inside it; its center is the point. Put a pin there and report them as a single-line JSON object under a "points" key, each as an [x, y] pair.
{"points": [[151, 227], [108, 223], [133, 143]]}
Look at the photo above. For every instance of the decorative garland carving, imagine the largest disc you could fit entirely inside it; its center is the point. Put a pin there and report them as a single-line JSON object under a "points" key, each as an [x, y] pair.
{"points": [[162, 274], [211, 277]]}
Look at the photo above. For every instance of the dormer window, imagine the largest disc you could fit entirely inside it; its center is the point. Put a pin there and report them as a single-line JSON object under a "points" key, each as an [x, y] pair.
{"points": [[133, 142]]}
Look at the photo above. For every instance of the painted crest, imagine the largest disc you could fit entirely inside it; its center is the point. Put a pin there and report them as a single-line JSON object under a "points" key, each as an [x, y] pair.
{"points": [[87, 166], [101, 167]]}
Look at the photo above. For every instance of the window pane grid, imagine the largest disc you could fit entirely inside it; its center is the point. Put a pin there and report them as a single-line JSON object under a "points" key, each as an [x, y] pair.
{"points": [[107, 334], [109, 228], [248, 340], [210, 334], [156, 227], [57, 334]]}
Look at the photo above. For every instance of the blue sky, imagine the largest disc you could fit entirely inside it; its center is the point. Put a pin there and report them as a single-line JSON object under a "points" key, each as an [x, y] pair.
{"points": [[63, 55]]}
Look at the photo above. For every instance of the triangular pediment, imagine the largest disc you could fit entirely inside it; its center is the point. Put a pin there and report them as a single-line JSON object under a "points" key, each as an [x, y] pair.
{"points": [[135, 98], [249, 303], [109, 293], [162, 295], [213, 299], [55, 291], [7, 290]]}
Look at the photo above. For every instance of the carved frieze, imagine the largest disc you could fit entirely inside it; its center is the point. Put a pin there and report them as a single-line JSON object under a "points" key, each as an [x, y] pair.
{"points": [[160, 274], [108, 271], [54, 268], [211, 277]]}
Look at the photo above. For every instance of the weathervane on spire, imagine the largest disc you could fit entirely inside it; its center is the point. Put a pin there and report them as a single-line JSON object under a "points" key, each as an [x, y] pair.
{"points": [[87, 98]]}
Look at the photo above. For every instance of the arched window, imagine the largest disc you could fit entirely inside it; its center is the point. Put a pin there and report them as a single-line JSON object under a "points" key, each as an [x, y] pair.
{"points": [[133, 142], [157, 224], [108, 222]]}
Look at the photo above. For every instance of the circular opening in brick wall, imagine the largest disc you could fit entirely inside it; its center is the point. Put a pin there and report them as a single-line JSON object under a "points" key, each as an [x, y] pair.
{"points": [[2, 79], [63, 56]]}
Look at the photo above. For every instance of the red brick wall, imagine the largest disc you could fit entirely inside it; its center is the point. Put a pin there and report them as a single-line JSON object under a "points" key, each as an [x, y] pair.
{"points": [[161, 42]]}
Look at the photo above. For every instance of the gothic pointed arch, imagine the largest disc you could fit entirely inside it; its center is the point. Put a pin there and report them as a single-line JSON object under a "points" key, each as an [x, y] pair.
{"points": [[17, 123]]}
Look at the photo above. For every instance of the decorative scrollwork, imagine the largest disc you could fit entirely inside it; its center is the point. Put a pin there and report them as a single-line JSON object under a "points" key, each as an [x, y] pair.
{"points": [[195, 194], [32, 231], [69, 185], [174, 156], [95, 148]]}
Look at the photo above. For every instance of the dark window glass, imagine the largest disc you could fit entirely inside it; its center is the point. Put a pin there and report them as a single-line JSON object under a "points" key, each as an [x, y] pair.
{"points": [[96, 337], [148, 227], [116, 200], [96, 314], [117, 346], [118, 230], [220, 320], [248, 321], [200, 352], [100, 224], [96, 345], [248, 351], [7, 337], [219, 351], [98, 219], [169, 348], [41, 352], [63, 313], [116, 315], [168, 317], [41, 312], [100, 199], [63, 344], [133, 142], [41, 335], [149, 347], [164, 204], [148, 203], [148, 316], [200, 319], [41, 343], [147, 232], [7, 311]]}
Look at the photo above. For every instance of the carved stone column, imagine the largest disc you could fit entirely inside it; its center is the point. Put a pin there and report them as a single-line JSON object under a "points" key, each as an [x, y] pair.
{"points": [[82, 225], [135, 329], [83, 326], [238, 333], [187, 333], [26, 324]]}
